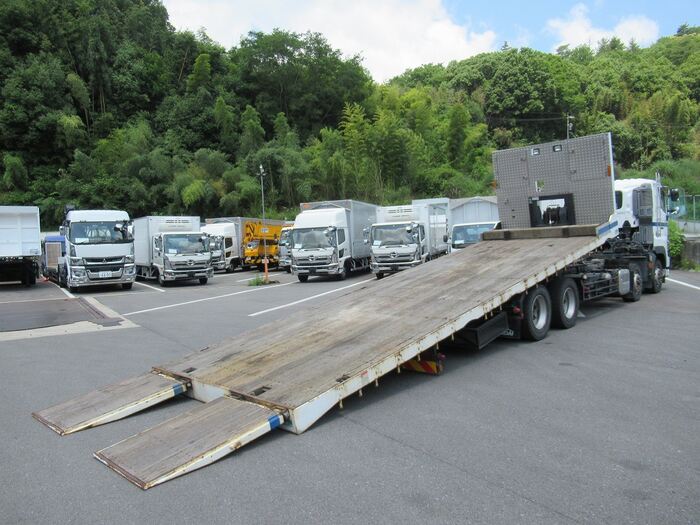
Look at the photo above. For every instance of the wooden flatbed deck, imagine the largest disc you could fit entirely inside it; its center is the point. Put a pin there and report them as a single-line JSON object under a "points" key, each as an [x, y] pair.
{"points": [[320, 355]]}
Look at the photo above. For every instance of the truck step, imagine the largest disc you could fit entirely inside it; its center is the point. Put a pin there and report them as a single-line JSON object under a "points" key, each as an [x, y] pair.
{"points": [[110, 403], [189, 441]]}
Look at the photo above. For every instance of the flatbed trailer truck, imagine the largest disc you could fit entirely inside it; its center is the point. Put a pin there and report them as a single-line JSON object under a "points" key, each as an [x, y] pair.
{"points": [[514, 284]]}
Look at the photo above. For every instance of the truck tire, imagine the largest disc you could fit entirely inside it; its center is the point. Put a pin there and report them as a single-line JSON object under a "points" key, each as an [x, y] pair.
{"points": [[379, 275], [537, 310], [72, 289], [636, 285], [289, 269], [203, 280], [302, 278], [565, 302], [162, 281], [127, 286], [656, 279]]}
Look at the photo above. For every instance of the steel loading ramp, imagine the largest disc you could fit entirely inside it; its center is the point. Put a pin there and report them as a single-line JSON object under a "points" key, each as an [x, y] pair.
{"points": [[323, 354]]}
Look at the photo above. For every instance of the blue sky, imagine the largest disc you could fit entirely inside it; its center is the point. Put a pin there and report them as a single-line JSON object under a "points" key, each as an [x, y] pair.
{"points": [[394, 35]]}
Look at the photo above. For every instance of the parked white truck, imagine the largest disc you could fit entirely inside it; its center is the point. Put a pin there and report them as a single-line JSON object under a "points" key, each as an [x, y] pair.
{"points": [[328, 238], [470, 218], [98, 250], [284, 250], [20, 245], [172, 249], [406, 236]]}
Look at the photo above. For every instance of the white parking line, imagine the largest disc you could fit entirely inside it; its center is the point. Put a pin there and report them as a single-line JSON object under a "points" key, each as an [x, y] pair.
{"points": [[207, 299], [307, 299], [149, 286], [248, 279], [683, 284], [65, 291]]}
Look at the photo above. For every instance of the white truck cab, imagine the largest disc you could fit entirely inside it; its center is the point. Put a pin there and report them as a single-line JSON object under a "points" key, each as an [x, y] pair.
{"points": [[641, 215], [469, 233], [319, 240], [99, 249]]}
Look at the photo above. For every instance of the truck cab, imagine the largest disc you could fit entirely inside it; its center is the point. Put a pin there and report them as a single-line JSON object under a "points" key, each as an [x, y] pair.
{"points": [[182, 256], [641, 214], [216, 247], [469, 233], [320, 243], [99, 249], [397, 246], [284, 249], [231, 244]]}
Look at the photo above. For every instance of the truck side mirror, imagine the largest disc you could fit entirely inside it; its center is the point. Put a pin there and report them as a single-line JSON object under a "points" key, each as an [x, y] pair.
{"points": [[675, 195], [445, 238], [366, 241], [62, 230]]}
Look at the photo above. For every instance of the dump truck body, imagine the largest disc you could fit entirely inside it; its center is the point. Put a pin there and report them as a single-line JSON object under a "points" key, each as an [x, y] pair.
{"points": [[20, 245]]}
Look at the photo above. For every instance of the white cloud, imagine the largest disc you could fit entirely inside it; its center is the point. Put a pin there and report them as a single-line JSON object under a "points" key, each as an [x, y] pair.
{"points": [[577, 29], [391, 35]]}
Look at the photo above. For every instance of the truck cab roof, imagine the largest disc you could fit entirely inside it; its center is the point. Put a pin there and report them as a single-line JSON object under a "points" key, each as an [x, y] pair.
{"points": [[96, 215]]}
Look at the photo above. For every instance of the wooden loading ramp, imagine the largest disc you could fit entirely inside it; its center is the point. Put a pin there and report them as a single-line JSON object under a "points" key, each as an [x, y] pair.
{"points": [[305, 366]]}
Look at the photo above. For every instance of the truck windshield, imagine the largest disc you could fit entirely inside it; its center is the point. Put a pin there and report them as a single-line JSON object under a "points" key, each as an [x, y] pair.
{"points": [[311, 238], [391, 235], [185, 243], [285, 236], [469, 233], [216, 243], [102, 232]]}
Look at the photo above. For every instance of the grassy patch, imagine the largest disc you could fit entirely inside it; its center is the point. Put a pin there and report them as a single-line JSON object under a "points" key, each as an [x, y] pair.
{"points": [[259, 280]]}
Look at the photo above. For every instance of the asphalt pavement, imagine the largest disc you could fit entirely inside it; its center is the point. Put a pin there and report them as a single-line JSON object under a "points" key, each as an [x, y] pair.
{"points": [[596, 424]]}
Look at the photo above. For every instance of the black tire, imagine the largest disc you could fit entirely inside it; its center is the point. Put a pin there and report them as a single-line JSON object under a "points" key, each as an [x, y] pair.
{"points": [[656, 279], [162, 281], [127, 286], [302, 278], [288, 269], [203, 280], [62, 277], [636, 285], [72, 289], [380, 275], [565, 302], [537, 310]]}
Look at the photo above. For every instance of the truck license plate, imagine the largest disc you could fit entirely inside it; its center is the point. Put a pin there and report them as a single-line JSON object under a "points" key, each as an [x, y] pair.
{"points": [[105, 275]]}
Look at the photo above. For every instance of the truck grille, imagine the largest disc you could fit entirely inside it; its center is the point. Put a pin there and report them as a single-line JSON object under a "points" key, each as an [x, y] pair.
{"points": [[307, 261], [389, 259], [104, 264], [190, 267]]}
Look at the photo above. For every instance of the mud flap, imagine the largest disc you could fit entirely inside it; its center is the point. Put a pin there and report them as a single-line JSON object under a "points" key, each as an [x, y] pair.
{"points": [[110, 403], [189, 441]]}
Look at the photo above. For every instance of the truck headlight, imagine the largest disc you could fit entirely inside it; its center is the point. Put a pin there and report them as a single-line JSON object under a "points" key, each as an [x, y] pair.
{"points": [[77, 261], [129, 259], [167, 264]]}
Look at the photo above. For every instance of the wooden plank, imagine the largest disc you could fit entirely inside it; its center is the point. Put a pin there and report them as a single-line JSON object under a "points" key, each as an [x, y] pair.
{"points": [[110, 403], [188, 441], [291, 365], [548, 232]]}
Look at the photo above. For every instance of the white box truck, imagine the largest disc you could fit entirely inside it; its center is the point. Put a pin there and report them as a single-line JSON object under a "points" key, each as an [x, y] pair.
{"points": [[328, 238], [20, 244], [171, 249], [406, 236]]}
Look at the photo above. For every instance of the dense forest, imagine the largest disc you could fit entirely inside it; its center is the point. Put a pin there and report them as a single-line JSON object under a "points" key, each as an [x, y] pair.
{"points": [[104, 104]]}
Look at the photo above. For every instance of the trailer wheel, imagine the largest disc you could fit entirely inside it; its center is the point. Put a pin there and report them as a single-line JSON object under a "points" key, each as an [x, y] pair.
{"points": [[302, 278], [636, 284], [537, 309], [657, 278], [564, 294]]}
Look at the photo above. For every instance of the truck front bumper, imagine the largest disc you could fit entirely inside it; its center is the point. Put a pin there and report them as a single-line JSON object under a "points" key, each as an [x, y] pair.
{"points": [[80, 276], [325, 269], [384, 267], [186, 275], [219, 265]]}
